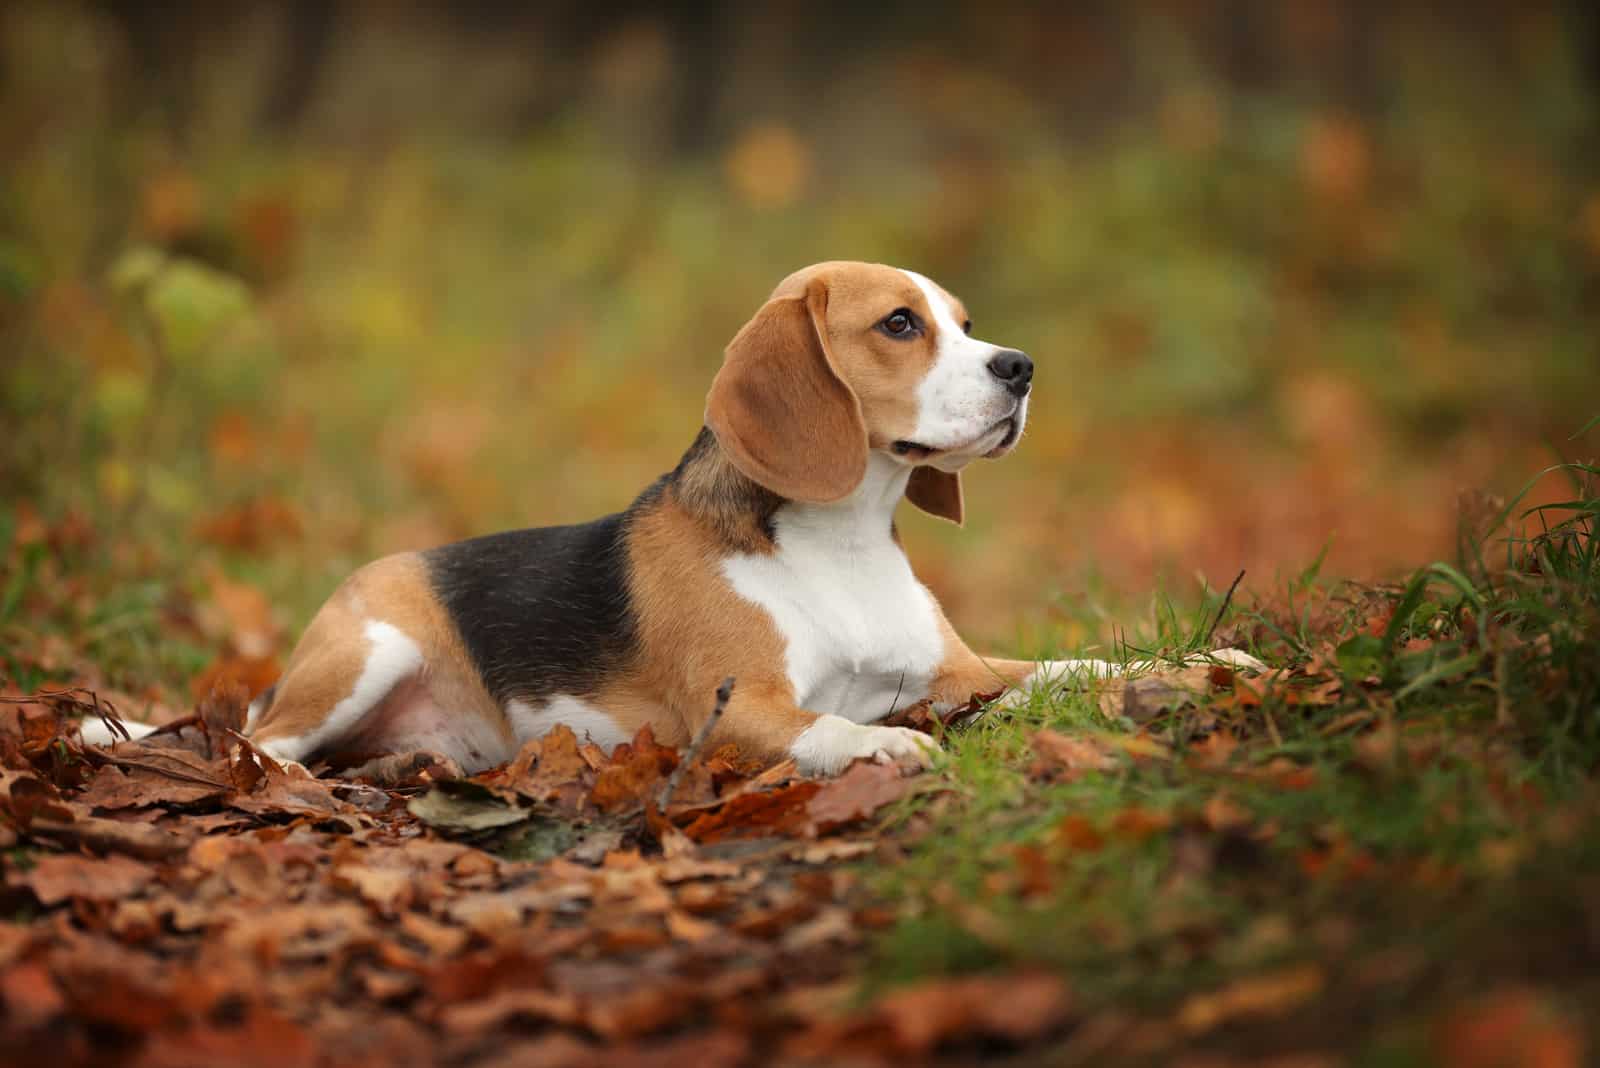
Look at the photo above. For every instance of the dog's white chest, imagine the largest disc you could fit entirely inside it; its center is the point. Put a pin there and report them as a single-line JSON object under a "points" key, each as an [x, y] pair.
{"points": [[862, 635]]}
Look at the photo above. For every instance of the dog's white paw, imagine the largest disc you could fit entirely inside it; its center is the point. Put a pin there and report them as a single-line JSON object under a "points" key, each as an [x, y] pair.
{"points": [[829, 745], [1234, 658], [1055, 675], [1052, 676]]}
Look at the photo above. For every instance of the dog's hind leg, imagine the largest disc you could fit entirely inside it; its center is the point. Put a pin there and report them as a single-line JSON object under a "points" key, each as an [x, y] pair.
{"points": [[329, 690]]}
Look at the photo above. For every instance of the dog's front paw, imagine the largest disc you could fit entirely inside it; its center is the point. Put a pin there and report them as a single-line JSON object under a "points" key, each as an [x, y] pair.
{"points": [[829, 745], [1237, 659]]}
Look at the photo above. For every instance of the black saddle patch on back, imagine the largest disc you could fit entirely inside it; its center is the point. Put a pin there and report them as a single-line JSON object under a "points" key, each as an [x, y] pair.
{"points": [[541, 611]]}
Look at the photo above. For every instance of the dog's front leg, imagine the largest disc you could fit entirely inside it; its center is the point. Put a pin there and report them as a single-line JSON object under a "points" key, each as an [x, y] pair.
{"points": [[966, 675], [765, 720]]}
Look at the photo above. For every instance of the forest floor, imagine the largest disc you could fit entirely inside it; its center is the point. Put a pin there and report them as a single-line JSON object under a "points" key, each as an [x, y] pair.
{"points": [[1385, 850]]}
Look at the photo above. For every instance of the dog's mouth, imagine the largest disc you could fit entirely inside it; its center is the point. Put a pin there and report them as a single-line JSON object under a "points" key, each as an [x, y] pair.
{"points": [[917, 452], [1013, 432]]}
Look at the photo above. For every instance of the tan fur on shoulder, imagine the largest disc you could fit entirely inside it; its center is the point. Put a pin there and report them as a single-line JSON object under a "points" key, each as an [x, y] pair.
{"points": [[694, 631]]}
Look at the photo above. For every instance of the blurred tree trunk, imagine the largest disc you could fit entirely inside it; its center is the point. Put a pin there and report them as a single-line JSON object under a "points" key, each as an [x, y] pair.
{"points": [[161, 43], [307, 30], [700, 39]]}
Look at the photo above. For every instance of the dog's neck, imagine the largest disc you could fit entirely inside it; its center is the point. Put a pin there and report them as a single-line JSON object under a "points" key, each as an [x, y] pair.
{"points": [[741, 512], [865, 515], [737, 510]]}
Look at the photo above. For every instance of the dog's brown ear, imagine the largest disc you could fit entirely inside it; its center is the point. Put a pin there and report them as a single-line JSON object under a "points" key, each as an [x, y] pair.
{"points": [[780, 409], [936, 492]]}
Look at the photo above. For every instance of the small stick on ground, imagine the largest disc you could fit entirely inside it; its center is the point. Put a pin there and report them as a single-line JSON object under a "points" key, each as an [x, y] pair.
{"points": [[1226, 601], [105, 710], [691, 754], [171, 773]]}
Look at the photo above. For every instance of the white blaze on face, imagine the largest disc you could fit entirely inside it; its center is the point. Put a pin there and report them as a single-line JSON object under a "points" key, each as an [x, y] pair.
{"points": [[960, 402]]}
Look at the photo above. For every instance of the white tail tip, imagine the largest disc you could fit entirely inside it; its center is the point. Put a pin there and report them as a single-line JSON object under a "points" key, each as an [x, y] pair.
{"points": [[95, 732]]}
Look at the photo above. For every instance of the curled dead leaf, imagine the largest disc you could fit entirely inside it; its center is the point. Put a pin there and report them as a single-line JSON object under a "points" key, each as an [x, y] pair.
{"points": [[1063, 756]]}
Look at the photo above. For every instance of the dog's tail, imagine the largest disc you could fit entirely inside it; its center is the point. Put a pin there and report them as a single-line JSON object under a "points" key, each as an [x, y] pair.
{"points": [[97, 732]]}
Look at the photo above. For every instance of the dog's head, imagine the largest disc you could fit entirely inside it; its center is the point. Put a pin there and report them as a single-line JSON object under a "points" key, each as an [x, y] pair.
{"points": [[846, 358]]}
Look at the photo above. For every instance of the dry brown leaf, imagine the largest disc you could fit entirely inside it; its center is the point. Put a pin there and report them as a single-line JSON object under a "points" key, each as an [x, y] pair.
{"points": [[252, 525], [1513, 1026], [1222, 813], [864, 788], [30, 996], [242, 614], [298, 933], [1015, 1007], [504, 1006], [138, 787], [1150, 696], [686, 928], [639, 1010], [110, 836], [1261, 995], [253, 674], [54, 879], [831, 926], [554, 768], [780, 811], [1061, 755], [832, 851], [387, 890], [633, 772]]}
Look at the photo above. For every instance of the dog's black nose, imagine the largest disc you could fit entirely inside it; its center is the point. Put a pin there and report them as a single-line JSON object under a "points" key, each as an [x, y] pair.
{"points": [[1014, 369]]}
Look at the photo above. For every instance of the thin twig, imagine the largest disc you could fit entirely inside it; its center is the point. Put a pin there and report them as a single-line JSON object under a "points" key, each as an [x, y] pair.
{"points": [[1502, 703], [1272, 727], [107, 715], [896, 699], [691, 754], [171, 773], [1226, 601]]}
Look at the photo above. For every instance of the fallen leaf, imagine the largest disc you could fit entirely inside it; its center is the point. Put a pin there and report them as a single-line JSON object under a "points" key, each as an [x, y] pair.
{"points": [[251, 526], [138, 787], [30, 996], [253, 673], [1222, 813], [1515, 1026], [465, 806], [780, 811], [918, 1019], [242, 614], [54, 879], [1261, 995], [387, 890], [864, 788], [634, 771], [1153, 695], [505, 1006], [1064, 756], [110, 836], [553, 768]]}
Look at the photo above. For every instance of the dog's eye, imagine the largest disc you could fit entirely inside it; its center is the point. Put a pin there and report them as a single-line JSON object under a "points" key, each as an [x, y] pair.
{"points": [[966, 327], [899, 323]]}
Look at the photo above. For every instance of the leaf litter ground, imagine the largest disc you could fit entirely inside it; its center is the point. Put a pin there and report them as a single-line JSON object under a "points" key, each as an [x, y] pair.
{"points": [[1385, 850]]}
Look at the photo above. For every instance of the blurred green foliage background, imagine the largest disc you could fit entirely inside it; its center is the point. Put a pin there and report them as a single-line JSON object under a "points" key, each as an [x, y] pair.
{"points": [[285, 286]]}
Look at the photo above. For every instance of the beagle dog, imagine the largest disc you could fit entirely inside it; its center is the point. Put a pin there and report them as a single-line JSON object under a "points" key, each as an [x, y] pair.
{"points": [[769, 554]]}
